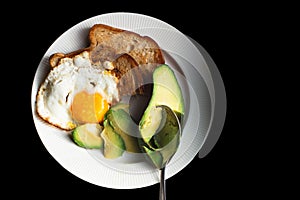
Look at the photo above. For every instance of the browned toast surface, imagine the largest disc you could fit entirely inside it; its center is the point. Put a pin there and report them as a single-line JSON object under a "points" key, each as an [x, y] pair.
{"points": [[142, 48]]}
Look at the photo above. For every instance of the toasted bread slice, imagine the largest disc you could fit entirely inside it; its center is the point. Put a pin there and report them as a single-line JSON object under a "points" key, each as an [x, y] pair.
{"points": [[142, 48], [125, 49]]}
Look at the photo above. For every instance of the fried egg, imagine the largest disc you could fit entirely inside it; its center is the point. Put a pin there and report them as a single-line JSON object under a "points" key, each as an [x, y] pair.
{"points": [[76, 92]]}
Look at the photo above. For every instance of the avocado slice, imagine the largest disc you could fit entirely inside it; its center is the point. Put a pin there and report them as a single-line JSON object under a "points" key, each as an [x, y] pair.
{"points": [[166, 91], [122, 124], [154, 157], [88, 136], [120, 105], [159, 126], [164, 143], [116, 107], [114, 145], [169, 128]]}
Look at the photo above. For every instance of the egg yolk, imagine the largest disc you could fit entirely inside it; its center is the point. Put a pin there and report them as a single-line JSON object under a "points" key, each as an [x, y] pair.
{"points": [[89, 108]]}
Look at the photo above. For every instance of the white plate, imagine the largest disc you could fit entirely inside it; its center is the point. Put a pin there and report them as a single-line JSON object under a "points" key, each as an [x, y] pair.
{"points": [[132, 171]]}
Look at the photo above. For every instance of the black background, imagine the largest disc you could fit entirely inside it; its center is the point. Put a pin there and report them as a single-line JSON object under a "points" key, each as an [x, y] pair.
{"points": [[226, 32]]}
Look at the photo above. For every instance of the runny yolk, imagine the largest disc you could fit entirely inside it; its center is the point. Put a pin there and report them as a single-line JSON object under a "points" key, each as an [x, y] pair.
{"points": [[89, 108]]}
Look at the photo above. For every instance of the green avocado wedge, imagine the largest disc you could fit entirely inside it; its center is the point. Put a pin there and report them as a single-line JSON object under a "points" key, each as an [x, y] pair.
{"points": [[160, 125], [168, 134], [164, 143], [114, 145], [154, 157], [88, 136], [166, 91], [122, 124], [117, 107]]}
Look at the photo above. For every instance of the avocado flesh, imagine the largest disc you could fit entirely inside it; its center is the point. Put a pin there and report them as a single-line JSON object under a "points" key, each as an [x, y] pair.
{"points": [[168, 133], [88, 136], [122, 124], [154, 157], [166, 91], [160, 123], [151, 123], [114, 145], [120, 106], [160, 157], [170, 148], [164, 143]]}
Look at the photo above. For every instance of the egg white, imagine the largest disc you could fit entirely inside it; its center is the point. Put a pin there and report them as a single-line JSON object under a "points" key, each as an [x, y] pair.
{"points": [[71, 76]]}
